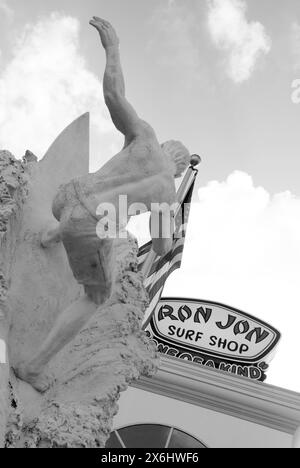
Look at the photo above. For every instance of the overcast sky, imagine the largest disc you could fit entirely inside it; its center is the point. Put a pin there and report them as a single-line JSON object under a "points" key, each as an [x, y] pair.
{"points": [[216, 74]]}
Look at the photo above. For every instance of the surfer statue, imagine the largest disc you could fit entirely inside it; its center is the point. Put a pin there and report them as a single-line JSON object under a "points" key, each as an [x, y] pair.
{"points": [[144, 171]]}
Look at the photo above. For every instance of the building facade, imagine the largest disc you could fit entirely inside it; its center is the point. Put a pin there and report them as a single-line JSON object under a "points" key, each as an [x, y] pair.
{"points": [[187, 405]]}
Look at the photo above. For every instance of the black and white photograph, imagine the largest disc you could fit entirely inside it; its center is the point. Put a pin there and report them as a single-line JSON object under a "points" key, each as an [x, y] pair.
{"points": [[149, 227]]}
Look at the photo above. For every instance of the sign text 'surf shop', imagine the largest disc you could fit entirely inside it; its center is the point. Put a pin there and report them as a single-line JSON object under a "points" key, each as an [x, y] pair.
{"points": [[213, 335]]}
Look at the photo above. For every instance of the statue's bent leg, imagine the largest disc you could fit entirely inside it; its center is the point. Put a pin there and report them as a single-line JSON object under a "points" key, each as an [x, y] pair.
{"points": [[66, 327], [92, 263]]}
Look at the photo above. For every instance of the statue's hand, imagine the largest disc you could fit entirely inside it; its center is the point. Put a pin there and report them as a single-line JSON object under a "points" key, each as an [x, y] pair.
{"points": [[107, 33]]}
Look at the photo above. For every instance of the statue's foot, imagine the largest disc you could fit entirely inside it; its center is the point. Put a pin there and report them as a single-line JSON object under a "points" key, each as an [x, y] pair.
{"points": [[40, 382]]}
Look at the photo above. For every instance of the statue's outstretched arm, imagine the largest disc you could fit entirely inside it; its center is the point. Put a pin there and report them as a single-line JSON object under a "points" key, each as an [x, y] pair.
{"points": [[122, 113]]}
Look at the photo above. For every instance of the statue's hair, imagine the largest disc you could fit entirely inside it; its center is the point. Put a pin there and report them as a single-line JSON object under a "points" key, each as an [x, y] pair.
{"points": [[179, 154]]}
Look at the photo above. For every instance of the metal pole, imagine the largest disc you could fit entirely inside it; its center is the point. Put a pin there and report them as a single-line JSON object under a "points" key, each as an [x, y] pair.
{"points": [[181, 194]]}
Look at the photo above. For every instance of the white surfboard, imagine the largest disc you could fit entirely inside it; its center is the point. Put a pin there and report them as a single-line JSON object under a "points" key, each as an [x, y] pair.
{"points": [[42, 284]]}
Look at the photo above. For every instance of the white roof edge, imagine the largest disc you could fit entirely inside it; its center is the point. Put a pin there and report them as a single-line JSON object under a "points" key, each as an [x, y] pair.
{"points": [[253, 401]]}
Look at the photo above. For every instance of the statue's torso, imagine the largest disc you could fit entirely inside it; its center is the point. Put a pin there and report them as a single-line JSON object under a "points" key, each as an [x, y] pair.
{"points": [[141, 172]]}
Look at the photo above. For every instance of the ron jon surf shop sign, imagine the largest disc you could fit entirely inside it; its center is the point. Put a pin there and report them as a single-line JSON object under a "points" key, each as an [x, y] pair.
{"points": [[213, 335]]}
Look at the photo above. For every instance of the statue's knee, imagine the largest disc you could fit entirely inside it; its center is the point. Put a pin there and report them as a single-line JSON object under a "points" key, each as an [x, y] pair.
{"points": [[50, 237], [98, 294]]}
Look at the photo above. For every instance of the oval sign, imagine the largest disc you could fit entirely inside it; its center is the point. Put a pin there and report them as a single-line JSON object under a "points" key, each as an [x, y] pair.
{"points": [[212, 329]]}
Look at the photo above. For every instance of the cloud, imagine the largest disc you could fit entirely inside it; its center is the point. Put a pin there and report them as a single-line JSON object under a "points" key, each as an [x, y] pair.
{"points": [[296, 46], [242, 41], [180, 34], [46, 85], [6, 10], [243, 249]]}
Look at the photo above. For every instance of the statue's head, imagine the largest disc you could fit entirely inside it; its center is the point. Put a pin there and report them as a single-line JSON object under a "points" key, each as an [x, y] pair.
{"points": [[178, 154]]}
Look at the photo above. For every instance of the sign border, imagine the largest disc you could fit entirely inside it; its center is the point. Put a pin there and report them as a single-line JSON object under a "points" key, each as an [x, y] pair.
{"points": [[241, 359]]}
